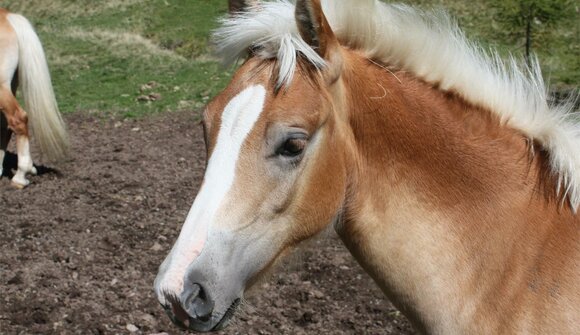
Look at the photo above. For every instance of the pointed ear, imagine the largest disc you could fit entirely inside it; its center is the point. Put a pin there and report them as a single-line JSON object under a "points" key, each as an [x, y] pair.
{"points": [[316, 31], [238, 6]]}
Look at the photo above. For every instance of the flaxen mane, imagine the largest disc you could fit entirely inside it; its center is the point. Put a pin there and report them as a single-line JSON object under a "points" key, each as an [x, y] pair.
{"points": [[429, 45]]}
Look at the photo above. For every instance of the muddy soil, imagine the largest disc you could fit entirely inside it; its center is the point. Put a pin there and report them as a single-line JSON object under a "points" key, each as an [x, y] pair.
{"points": [[80, 247]]}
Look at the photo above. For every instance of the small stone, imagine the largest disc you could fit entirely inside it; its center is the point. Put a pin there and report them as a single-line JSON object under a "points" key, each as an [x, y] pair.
{"points": [[317, 294], [156, 247], [132, 328], [16, 280], [150, 319]]}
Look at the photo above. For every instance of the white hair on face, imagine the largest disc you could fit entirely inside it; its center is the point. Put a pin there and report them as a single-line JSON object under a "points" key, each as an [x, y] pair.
{"points": [[237, 121], [431, 46], [271, 30]]}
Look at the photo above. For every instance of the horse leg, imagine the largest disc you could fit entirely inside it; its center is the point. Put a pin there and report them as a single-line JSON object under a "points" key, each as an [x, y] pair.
{"points": [[5, 131], [5, 134], [18, 122]]}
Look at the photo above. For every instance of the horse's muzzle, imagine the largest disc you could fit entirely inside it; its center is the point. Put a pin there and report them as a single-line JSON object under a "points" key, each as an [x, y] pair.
{"points": [[193, 310]]}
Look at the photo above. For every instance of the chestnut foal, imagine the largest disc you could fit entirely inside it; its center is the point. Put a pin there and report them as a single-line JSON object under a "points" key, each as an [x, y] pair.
{"points": [[445, 172]]}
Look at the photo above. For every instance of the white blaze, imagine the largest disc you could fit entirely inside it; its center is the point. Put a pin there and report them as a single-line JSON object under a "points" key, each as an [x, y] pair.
{"points": [[237, 120]]}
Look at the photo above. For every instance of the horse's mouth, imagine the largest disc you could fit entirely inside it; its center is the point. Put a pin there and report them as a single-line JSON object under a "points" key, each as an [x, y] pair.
{"points": [[202, 324], [223, 323]]}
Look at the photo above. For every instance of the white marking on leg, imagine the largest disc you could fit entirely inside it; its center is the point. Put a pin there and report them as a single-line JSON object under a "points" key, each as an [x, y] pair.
{"points": [[24, 161], [2, 153], [237, 120]]}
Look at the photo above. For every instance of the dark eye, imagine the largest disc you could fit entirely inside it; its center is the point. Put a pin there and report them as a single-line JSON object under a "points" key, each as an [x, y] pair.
{"points": [[292, 147]]}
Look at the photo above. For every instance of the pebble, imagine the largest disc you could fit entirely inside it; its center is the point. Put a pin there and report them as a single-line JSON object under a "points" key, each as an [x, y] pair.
{"points": [[156, 247], [132, 328]]}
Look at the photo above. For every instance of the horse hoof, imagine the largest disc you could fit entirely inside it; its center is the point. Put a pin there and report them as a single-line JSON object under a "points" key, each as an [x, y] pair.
{"points": [[18, 186], [33, 171], [19, 181]]}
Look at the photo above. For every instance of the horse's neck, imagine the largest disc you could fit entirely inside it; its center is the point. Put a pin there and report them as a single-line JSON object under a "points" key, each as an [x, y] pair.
{"points": [[451, 154], [436, 184]]}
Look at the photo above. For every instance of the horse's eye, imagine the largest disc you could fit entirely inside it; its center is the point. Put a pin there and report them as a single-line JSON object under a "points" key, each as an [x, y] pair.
{"points": [[292, 147]]}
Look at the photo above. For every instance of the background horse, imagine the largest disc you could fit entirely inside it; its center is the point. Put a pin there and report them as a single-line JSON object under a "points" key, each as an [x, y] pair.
{"points": [[22, 61], [444, 171]]}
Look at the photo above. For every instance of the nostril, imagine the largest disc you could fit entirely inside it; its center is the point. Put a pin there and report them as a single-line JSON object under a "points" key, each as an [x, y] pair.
{"points": [[197, 302], [192, 294]]}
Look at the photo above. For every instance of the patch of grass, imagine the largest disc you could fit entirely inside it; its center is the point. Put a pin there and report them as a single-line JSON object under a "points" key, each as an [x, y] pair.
{"points": [[103, 53], [188, 31]]}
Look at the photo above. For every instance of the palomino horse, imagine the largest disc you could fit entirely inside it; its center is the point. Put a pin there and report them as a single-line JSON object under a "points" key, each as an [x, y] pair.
{"points": [[444, 171], [22, 61]]}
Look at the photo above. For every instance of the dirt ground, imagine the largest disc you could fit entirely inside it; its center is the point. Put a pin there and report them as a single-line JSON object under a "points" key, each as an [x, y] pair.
{"points": [[79, 248]]}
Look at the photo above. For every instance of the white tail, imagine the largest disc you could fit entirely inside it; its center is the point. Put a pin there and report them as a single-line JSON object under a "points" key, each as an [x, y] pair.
{"points": [[39, 101]]}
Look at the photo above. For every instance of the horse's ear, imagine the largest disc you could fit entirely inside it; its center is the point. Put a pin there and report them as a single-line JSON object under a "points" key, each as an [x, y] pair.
{"points": [[316, 31], [238, 6]]}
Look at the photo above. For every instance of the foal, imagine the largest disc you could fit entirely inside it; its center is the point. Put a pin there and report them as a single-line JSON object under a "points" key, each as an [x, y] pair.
{"points": [[445, 173], [22, 61]]}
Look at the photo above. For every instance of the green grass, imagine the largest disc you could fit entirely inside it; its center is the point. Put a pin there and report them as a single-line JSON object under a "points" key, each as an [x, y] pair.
{"points": [[102, 53]]}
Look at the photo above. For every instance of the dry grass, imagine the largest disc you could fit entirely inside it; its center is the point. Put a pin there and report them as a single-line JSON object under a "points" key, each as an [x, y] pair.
{"points": [[123, 44], [67, 8]]}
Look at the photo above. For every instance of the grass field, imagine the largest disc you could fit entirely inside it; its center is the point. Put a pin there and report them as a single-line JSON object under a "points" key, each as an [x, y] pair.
{"points": [[104, 53]]}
